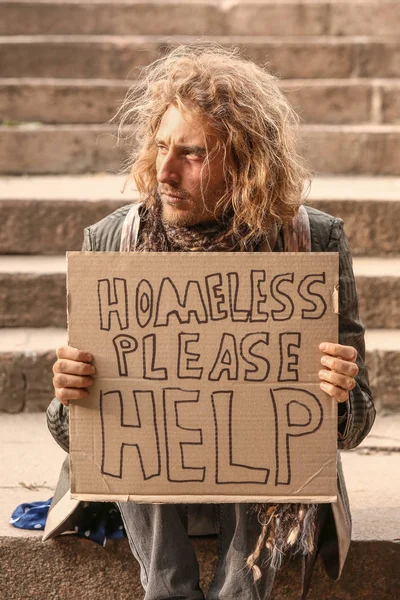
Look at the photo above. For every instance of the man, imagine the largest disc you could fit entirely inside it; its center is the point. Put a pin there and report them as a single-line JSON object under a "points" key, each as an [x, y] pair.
{"points": [[217, 169]]}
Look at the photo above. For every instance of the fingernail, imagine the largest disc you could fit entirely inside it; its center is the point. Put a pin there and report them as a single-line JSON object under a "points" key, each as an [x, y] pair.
{"points": [[323, 374], [93, 369], [324, 360], [322, 346], [324, 386], [88, 357]]}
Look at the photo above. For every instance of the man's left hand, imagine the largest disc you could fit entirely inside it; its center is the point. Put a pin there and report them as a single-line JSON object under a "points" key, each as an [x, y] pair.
{"points": [[339, 370]]}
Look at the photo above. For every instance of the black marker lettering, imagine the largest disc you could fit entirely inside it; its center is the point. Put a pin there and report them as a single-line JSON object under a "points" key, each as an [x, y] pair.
{"points": [[226, 469], [287, 310], [115, 303], [124, 344], [186, 358], [216, 297], [236, 313], [150, 371], [169, 303], [177, 436], [257, 297], [116, 433], [144, 303], [316, 300], [289, 359], [286, 427], [259, 363], [227, 359]]}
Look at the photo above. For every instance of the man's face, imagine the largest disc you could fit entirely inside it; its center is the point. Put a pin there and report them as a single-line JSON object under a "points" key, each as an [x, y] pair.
{"points": [[181, 141]]}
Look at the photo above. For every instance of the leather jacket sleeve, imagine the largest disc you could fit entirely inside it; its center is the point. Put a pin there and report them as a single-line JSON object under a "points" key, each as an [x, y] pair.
{"points": [[57, 414], [357, 415]]}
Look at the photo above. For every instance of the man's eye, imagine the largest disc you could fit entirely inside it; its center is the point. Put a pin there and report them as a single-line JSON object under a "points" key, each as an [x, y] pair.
{"points": [[193, 154]]}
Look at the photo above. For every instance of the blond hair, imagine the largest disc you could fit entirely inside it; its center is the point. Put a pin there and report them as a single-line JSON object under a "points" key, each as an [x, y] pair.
{"points": [[253, 120]]}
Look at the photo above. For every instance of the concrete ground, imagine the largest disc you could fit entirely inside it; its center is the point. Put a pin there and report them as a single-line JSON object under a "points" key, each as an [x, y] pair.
{"points": [[31, 461], [109, 187]]}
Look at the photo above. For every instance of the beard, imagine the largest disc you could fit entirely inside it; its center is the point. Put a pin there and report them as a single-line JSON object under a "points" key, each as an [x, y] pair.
{"points": [[185, 218], [186, 212]]}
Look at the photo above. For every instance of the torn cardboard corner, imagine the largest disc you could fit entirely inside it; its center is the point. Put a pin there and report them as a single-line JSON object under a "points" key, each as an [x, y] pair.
{"points": [[207, 385]]}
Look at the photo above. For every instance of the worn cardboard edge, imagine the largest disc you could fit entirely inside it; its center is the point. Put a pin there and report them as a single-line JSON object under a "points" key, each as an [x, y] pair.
{"points": [[67, 256], [172, 497], [116, 252], [59, 513], [200, 499]]}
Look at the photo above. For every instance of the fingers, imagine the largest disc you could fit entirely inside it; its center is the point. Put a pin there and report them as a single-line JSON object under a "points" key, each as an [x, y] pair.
{"points": [[73, 354], [73, 367], [346, 352], [347, 383], [340, 366], [64, 395], [340, 370], [62, 380], [72, 374], [335, 392]]}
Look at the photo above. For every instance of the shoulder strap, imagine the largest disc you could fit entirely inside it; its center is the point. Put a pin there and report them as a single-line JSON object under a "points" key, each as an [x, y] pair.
{"points": [[296, 234], [130, 229]]}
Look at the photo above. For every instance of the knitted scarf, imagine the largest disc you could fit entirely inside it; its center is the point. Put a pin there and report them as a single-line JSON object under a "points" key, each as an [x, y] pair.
{"points": [[285, 529], [158, 236]]}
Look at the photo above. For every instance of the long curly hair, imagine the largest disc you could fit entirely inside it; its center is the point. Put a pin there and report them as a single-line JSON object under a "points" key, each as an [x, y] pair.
{"points": [[255, 126]]}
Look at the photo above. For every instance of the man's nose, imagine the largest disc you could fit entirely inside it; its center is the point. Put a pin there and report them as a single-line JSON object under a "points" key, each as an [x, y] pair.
{"points": [[168, 169]]}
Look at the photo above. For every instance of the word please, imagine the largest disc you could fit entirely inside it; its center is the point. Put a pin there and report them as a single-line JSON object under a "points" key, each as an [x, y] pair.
{"points": [[218, 297], [230, 358]]}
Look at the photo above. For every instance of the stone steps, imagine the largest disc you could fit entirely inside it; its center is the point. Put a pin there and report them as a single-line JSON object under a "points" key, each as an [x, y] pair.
{"points": [[28, 354], [47, 214], [26, 360], [204, 17], [329, 101], [74, 149], [84, 570], [65, 67], [33, 291], [117, 57]]}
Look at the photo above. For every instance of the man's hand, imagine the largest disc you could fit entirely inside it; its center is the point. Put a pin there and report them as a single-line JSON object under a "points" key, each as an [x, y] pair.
{"points": [[340, 369], [72, 374]]}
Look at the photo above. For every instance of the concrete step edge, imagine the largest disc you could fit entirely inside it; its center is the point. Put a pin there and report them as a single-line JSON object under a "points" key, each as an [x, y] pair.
{"points": [[104, 186], [37, 127], [31, 340], [27, 356], [382, 340], [46, 339], [57, 264], [90, 83], [85, 570], [333, 40], [224, 4]]}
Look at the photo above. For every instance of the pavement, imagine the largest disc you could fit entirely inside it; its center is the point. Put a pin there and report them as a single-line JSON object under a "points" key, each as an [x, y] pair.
{"points": [[31, 462], [72, 568]]}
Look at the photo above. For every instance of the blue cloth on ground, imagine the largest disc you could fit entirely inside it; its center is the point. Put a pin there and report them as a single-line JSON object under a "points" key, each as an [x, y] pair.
{"points": [[100, 521], [30, 515]]}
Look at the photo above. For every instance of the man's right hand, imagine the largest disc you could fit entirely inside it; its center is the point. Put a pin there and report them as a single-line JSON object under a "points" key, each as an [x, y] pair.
{"points": [[73, 374]]}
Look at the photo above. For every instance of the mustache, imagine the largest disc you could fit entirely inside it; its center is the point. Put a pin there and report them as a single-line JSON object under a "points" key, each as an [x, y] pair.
{"points": [[176, 193]]}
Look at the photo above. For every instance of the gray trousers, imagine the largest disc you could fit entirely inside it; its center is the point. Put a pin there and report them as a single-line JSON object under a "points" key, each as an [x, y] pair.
{"points": [[158, 538]]}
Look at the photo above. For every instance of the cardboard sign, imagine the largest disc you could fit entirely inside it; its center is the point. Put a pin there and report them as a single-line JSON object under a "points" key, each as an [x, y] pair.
{"points": [[207, 385]]}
